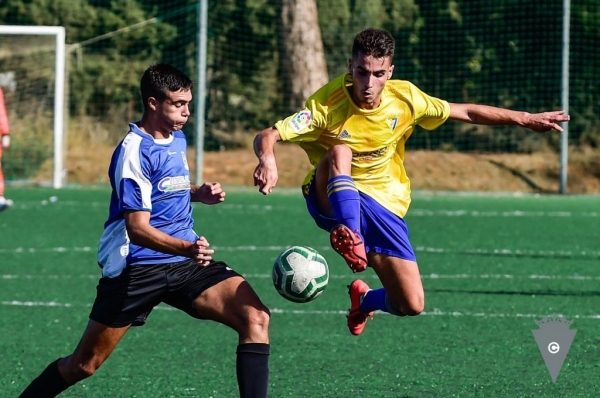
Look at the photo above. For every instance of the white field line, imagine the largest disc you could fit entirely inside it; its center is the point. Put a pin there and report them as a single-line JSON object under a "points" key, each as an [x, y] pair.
{"points": [[422, 249], [332, 276], [512, 213], [434, 312], [414, 212]]}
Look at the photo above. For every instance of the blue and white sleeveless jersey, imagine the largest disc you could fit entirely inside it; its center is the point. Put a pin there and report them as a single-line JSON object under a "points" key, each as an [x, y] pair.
{"points": [[146, 174]]}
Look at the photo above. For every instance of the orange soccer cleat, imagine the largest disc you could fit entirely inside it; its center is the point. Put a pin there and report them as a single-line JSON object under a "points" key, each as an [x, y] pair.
{"points": [[357, 318], [349, 245]]}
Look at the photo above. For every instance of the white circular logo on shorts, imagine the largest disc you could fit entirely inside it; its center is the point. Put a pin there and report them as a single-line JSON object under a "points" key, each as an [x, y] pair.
{"points": [[553, 348]]}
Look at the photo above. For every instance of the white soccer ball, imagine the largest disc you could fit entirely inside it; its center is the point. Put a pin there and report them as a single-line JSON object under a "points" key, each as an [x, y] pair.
{"points": [[300, 274]]}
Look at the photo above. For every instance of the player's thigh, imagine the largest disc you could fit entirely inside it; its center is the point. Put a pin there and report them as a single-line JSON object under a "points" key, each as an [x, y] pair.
{"points": [[233, 302], [335, 161], [318, 188], [402, 280], [218, 293], [96, 345]]}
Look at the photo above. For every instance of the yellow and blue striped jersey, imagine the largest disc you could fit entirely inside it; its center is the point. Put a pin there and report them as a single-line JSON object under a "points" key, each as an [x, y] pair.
{"points": [[375, 136]]}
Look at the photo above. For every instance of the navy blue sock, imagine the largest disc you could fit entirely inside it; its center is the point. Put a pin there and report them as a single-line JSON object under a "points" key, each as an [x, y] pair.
{"points": [[377, 299], [252, 368], [345, 200], [49, 383], [374, 300]]}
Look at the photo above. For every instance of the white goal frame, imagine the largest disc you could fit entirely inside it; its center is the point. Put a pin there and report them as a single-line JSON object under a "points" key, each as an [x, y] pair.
{"points": [[59, 89]]}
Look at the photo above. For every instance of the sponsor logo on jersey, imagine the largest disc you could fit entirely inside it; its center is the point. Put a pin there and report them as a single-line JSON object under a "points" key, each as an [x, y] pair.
{"points": [[370, 155], [178, 183], [301, 121], [343, 135]]}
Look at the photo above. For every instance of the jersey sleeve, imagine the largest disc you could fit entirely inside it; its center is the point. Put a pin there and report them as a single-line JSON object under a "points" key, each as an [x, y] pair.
{"points": [[430, 112], [305, 125], [135, 188]]}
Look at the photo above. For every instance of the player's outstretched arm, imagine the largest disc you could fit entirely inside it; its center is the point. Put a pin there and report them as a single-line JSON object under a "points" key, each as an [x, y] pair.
{"points": [[265, 173], [489, 115], [209, 193]]}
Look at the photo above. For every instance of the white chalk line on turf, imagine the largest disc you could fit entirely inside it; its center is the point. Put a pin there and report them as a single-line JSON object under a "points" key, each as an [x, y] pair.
{"points": [[434, 312], [413, 212], [431, 276], [279, 248], [511, 213]]}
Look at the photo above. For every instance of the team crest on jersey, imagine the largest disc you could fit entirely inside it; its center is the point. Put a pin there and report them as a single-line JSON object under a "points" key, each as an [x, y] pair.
{"points": [[301, 121], [178, 183], [343, 135], [185, 163], [393, 122]]}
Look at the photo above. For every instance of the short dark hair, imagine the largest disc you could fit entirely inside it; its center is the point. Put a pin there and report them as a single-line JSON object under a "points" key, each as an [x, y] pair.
{"points": [[376, 42], [160, 79]]}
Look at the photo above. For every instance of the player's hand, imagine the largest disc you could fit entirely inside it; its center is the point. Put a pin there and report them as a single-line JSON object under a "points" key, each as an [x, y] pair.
{"points": [[265, 176], [200, 252], [546, 121], [210, 193]]}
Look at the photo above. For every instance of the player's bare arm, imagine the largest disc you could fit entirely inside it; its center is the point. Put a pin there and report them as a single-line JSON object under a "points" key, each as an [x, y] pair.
{"points": [[141, 233], [265, 174], [209, 193], [489, 115]]}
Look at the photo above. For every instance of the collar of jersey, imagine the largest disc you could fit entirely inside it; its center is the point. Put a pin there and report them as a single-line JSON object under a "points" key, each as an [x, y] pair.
{"points": [[133, 127]]}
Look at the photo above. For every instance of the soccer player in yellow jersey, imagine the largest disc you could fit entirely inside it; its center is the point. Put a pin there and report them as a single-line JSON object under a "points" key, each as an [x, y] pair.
{"points": [[354, 130]]}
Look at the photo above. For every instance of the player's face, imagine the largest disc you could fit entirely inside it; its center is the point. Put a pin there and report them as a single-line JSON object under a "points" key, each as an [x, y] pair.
{"points": [[369, 76], [174, 111]]}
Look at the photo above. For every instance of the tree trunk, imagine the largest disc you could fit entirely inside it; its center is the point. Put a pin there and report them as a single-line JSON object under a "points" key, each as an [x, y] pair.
{"points": [[302, 57]]}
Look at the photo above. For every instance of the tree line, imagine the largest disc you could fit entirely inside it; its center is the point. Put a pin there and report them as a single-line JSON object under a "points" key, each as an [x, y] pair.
{"points": [[264, 56]]}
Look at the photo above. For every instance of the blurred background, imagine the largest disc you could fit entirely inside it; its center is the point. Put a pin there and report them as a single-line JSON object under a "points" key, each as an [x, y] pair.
{"points": [[263, 58]]}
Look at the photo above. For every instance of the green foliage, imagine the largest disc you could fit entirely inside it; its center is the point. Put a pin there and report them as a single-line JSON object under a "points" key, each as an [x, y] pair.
{"points": [[242, 54], [341, 20], [505, 53]]}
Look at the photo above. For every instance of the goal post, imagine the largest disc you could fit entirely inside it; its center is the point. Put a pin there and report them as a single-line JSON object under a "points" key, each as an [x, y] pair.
{"points": [[58, 32]]}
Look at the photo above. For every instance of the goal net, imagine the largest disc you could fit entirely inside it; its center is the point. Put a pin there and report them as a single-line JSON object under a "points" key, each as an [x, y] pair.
{"points": [[32, 79]]}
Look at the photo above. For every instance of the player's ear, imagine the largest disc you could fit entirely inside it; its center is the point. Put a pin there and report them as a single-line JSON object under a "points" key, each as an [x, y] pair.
{"points": [[152, 103], [350, 66], [390, 72]]}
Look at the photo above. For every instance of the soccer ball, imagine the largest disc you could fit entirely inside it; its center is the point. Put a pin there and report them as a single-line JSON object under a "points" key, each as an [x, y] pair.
{"points": [[300, 274]]}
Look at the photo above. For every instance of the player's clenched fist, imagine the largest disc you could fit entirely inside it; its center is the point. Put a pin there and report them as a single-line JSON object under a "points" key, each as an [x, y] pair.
{"points": [[265, 176], [200, 252]]}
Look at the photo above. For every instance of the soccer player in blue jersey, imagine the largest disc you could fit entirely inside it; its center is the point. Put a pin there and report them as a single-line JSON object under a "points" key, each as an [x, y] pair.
{"points": [[354, 130], [149, 252]]}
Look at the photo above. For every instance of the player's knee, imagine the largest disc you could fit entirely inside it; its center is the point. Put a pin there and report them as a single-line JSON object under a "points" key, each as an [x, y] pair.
{"points": [[79, 370], [339, 159], [256, 323], [340, 152], [414, 306], [259, 319], [410, 306]]}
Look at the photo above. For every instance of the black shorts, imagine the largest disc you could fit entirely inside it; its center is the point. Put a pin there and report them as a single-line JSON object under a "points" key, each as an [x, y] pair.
{"points": [[129, 298]]}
